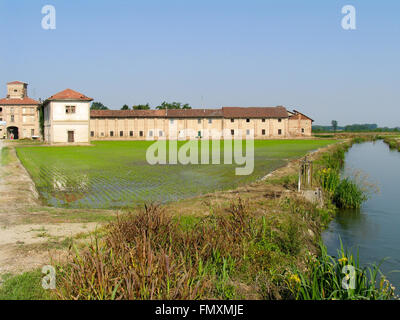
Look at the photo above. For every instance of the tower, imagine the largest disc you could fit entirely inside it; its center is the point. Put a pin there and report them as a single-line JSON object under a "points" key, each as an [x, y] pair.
{"points": [[17, 90]]}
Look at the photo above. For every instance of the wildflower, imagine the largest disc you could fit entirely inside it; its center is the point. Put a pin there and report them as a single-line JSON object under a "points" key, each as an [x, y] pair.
{"points": [[295, 278], [343, 260]]}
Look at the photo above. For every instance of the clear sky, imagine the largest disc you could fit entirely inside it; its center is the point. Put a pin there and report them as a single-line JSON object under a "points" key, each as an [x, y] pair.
{"points": [[211, 53]]}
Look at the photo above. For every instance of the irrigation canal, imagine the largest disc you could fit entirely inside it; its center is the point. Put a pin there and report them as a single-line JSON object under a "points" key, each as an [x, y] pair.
{"points": [[374, 229]]}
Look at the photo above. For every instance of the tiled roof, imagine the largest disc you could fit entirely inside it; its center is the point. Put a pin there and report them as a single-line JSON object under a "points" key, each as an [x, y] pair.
{"points": [[194, 113], [24, 101], [16, 82], [298, 115], [226, 112], [128, 113], [69, 94], [255, 112]]}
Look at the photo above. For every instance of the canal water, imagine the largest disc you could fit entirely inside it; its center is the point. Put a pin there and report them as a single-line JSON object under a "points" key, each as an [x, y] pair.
{"points": [[374, 229]]}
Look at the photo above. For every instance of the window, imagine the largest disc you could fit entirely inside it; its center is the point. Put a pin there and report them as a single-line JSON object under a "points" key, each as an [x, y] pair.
{"points": [[160, 133], [263, 120], [198, 121], [247, 120], [171, 121], [232, 120], [232, 132], [199, 133], [102, 134], [279, 120], [111, 133], [247, 132], [209, 121], [12, 118], [150, 133], [70, 109], [92, 133], [12, 110], [302, 130], [263, 132], [131, 133], [1, 109], [121, 133], [32, 132], [279, 131], [141, 133]]}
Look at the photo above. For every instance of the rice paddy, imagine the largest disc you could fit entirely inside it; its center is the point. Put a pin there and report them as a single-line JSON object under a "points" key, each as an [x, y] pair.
{"points": [[115, 174]]}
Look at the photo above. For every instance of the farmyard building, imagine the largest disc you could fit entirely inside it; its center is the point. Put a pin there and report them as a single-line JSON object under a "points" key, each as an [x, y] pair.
{"points": [[67, 118]]}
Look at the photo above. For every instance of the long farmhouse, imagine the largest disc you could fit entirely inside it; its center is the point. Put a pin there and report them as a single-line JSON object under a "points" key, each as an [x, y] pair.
{"points": [[68, 119]]}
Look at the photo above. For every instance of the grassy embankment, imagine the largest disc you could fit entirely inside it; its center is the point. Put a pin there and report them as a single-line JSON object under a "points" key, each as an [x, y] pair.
{"points": [[263, 245]]}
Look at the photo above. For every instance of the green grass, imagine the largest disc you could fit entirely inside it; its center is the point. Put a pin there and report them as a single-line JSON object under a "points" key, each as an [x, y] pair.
{"points": [[115, 174], [26, 286]]}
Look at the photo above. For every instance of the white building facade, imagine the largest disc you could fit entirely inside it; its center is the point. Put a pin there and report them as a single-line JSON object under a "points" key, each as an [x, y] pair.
{"points": [[67, 118]]}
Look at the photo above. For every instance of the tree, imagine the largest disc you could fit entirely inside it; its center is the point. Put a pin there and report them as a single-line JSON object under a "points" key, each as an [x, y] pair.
{"points": [[173, 105], [141, 107], [334, 125], [125, 107], [98, 106]]}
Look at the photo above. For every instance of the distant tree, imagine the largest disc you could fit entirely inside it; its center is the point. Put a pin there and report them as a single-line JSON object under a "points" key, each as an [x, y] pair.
{"points": [[141, 107], [334, 125], [173, 105], [98, 106], [125, 107]]}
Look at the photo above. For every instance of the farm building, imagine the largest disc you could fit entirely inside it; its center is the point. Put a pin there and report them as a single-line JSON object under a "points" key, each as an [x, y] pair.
{"points": [[19, 114], [68, 119], [265, 122]]}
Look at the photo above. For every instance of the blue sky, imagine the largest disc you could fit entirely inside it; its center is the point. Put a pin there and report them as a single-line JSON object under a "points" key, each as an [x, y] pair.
{"points": [[211, 54]]}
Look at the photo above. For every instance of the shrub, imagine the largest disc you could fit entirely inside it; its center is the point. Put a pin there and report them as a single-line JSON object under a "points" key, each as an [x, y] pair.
{"points": [[348, 195], [329, 179]]}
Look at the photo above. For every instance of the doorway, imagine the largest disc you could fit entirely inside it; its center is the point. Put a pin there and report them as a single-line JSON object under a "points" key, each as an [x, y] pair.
{"points": [[12, 133], [71, 136]]}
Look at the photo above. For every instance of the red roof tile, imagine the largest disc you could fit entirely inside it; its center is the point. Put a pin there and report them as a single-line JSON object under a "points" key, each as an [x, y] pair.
{"points": [[69, 94], [127, 113], [24, 101], [16, 82], [255, 112], [194, 113]]}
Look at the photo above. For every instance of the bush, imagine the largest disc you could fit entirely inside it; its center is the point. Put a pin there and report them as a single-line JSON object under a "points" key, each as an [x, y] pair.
{"points": [[348, 195]]}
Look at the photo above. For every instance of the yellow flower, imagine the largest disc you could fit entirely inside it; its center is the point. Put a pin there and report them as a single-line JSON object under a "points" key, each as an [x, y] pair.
{"points": [[295, 278], [343, 260]]}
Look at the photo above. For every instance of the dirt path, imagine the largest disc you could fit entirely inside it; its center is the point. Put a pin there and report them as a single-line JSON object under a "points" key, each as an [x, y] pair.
{"points": [[30, 234]]}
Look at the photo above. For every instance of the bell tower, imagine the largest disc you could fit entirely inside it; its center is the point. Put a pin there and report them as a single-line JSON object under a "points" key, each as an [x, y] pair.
{"points": [[17, 90]]}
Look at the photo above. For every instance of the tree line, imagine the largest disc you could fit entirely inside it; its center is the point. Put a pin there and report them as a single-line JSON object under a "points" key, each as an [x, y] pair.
{"points": [[163, 106]]}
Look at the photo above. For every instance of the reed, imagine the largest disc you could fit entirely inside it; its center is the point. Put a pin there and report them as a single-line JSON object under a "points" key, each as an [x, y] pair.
{"points": [[329, 278]]}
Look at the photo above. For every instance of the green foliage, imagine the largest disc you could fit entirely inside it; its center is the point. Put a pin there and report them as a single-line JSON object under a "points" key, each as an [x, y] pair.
{"points": [[334, 125], [98, 106], [348, 195], [141, 107], [173, 105], [324, 280], [329, 179], [125, 107], [26, 286]]}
